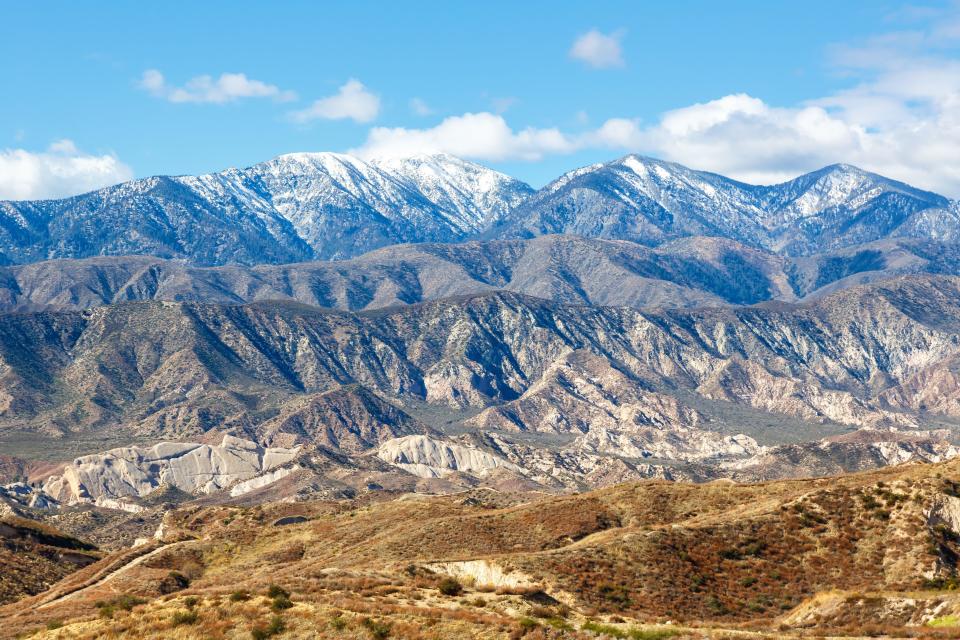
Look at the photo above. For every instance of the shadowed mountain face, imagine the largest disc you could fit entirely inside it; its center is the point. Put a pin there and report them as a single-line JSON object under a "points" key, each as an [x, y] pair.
{"points": [[34, 556], [332, 206], [683, 273]]}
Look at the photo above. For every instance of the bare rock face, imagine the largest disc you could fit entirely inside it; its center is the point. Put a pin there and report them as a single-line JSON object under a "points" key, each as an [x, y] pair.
{"points": [[429, 458], [560, 389], [134, 472]]}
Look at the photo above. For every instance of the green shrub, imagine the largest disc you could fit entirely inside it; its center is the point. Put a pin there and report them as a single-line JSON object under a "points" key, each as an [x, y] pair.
{"points": [[184, 617], [651, 634], [559, 623], [632, 633], [120, 603], [714, 604], [280, 603], [605, 629], [175, 581], [54, 624], [378, 630], [614, 593], [241, 595], [450, 587], [948, 583], [275, 591], [275, 627], [528, 624]]}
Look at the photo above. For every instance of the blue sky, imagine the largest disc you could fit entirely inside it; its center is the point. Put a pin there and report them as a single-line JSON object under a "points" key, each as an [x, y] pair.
{"points": [[97, 92]]}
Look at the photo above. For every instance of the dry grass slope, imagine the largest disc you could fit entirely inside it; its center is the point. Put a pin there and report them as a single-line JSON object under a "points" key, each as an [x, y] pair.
{"points": [[641, 560]]}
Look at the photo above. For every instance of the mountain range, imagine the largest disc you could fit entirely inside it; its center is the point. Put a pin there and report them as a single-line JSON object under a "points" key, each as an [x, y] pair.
{"points": [[554, 389], [695, 271], [307, 206], [389, 383]]}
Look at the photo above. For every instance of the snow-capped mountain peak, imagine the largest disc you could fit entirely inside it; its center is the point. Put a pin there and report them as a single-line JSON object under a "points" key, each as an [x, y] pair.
{"points": [[474, 196], [325, 205], [652, 201]]}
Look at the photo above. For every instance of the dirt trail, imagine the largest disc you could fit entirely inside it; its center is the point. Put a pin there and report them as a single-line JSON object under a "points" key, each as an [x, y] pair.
{"points": [[108, 574]]}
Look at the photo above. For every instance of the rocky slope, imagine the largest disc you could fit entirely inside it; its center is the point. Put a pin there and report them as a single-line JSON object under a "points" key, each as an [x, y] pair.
{"points": [[34, 556], [586, 385], [349, 419], [689, 272]]}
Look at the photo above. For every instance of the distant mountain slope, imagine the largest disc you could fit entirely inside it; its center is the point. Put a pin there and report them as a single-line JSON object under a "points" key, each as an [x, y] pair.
{"points": [[866, 356], [651, 201], [304, 206], [294, 207], [687, 272]]}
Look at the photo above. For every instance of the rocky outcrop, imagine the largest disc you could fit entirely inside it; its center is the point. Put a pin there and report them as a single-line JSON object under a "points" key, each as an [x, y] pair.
{"points": [[134, 472], [862, 450], [430, 458], [484, 573]]}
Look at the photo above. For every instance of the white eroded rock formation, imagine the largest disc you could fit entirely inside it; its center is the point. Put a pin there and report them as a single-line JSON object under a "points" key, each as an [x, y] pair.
{"points": [[427, 457], [132, 472]]}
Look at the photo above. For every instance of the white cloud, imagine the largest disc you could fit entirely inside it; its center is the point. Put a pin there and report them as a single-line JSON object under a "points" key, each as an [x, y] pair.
{"points": [[483, 136], [352, 101], [419, 107], [900, 119], [62, 170], [743, 137], [229, 87], [599, 50]]}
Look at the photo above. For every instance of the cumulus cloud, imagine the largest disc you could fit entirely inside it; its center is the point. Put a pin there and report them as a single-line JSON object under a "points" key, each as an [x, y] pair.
{"points": [[352, 101], [229, 87], [743, 137], [598, 50], [62, 170], [900, 118], [483, 136]]}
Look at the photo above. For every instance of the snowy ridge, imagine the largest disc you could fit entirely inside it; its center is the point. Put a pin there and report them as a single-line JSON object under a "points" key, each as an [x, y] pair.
{"points": [[651, 201], [303, 206], [472, 196]]}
